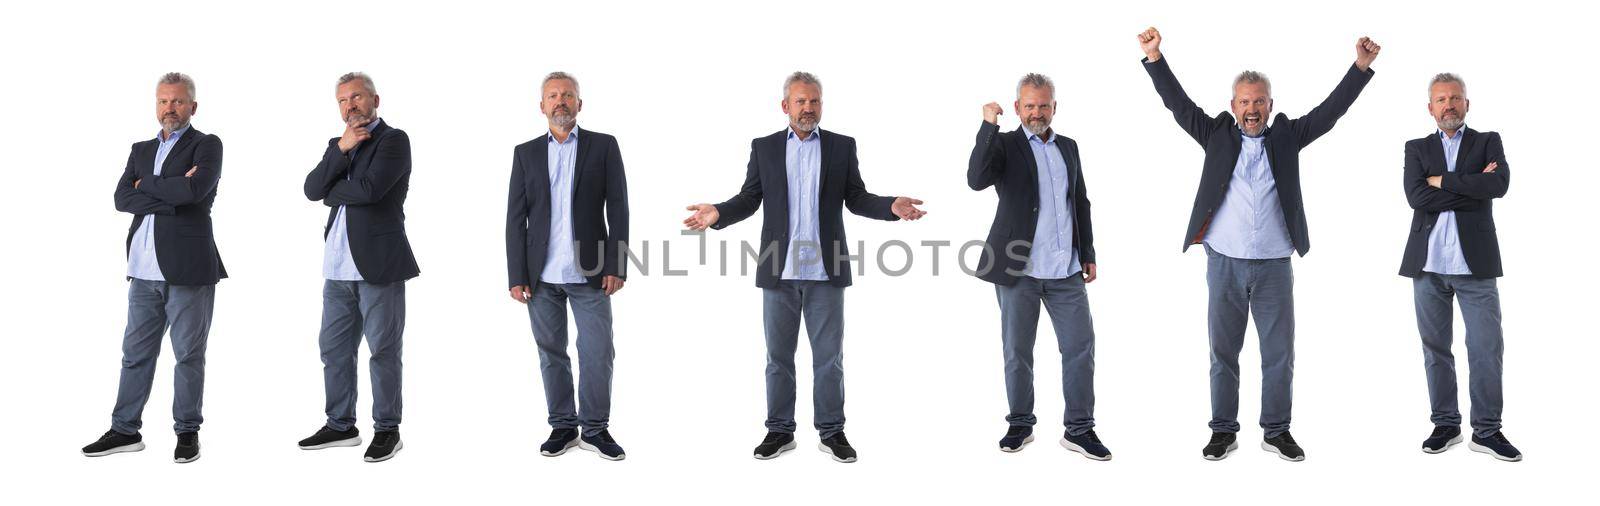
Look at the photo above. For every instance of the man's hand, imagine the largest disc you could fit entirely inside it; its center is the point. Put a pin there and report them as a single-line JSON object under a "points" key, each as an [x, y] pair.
{"points": [[136, 183], [992, 112], [1089, 273], [520, 293], [1492, 166], [906, 208], [705, 215], [1436, 181], [353, 135], [1150, 43], [192, 170], [611, 284], [1366, 51]]}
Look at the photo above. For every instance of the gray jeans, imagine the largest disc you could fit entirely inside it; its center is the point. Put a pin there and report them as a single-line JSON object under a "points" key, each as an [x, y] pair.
{"points": [[591, 310], [822, 307], [1068, 305], [1480, 310], [153, 307], [350, 309], [1239, 289]]}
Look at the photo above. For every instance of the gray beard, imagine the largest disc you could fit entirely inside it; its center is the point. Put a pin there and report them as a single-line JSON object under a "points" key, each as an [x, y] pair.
{"points": [[1038, 128], [173, 126], [1451, 125], [806, 126], [564, 121]]}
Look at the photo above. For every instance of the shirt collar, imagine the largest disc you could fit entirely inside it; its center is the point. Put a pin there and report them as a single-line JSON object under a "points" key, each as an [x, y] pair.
{"points": [[1033, 137], [571, 136], [792, 135], [175, 135], [1459, 132]]}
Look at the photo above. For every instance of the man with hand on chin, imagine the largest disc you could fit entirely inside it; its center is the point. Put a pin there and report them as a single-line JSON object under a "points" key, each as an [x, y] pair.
{"points": [[803, 175], [1248, 213]]}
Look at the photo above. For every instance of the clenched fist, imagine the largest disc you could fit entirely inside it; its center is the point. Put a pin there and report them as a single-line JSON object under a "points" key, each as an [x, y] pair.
{"points": [[1150, 43], [992, 112], [1366, 51]]}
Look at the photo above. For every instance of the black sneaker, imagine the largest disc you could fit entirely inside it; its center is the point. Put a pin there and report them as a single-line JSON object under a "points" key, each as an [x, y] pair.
{"points": [[1284, 445], [774, 445], [603, 445], [1443, 437], [1497, 445], [560, 441], [838, 447], [1017, 437], [1087, 444], [385, 443], [328, 438], [1222, 444], [188, 449], [114, 442]]}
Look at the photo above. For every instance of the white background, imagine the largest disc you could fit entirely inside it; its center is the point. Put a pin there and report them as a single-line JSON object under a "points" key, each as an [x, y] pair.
{"points": [[684, 87]]}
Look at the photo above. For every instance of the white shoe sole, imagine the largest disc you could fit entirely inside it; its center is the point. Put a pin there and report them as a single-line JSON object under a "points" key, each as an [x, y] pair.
{"points": [[1019, 448], [355, 441], [1079, 449], [570, 445], [836, 458], [397, 447], [1447, 445], [187, 460], [1484, 449], [781, 450], [120, 449], [1225, 453], [1274, 450], [586, 446]]}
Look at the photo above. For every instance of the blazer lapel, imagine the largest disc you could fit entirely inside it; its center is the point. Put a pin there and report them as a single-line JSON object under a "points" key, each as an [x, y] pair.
{"points": [[1467, 137], [827, 154], [1032, 181], [541, 169], [1433, 157], [1072, 172], [776, 160], [366, 148], [185, 141], [578, 164]]}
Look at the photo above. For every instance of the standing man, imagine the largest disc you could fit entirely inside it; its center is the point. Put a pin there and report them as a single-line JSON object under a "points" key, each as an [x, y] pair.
{"points": [[804, 175], [173, 269], [566, 188], [363, 178], [1042, 229], [1249, 215], [1453, 253]]}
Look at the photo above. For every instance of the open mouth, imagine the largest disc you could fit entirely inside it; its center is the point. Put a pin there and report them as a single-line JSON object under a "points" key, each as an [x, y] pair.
{"points": [[1252, 121]]}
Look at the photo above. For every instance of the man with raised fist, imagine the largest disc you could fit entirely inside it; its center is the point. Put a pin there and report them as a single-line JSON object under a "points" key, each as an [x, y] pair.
{"points": [[1248, 213]]}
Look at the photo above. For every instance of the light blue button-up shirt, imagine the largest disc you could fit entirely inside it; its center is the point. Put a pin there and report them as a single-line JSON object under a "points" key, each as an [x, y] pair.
{"points": [[1249, 223], [561, 259], [337, 262], [803, 164], [1444, 244], [1052, 255], [142, 251]]}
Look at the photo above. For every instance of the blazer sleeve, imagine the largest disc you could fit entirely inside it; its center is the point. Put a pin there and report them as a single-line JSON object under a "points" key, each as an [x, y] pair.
{"points": [[180, 191], [517, 226], [1190, 117], [988, 159], [1477, 184], [744, 204], [391, 162], [615, 263], [1427, 198], [130, 200], [1080, 206], [858, 199], [330, 170], [1322, 117]]}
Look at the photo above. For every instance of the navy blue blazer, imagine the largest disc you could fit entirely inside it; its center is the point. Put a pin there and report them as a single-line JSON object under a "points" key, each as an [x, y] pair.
{"points": [[1468, 191], [374, 196], [766, 181], [599, 209], [1005, 161], [186, 252]]}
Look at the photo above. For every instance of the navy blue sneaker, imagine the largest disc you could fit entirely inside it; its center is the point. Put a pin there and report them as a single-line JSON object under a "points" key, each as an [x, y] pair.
{"points": [[188, 449], [1443, 437], [560, 441], [774, 445], [838, 447], [1221, 444], [1087, 444], [385, 444], [1017, 437], [114, 442], [1284, 445], [1497, 445], [603, 445]]}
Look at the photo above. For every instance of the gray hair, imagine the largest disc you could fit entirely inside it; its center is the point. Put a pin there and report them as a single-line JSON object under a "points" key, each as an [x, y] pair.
{"points": [[366, 81], [1253, 77], [178, 78], [576, 90], [800, 77], [1446, 77], [1037, 81]]}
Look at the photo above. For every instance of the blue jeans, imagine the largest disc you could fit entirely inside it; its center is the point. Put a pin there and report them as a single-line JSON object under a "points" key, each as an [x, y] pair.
{"points": [[821, 305], [1068, 305], [153, 307]]}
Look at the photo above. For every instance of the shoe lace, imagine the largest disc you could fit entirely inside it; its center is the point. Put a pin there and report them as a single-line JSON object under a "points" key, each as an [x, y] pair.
{"points": [[1092, 436], [385, 438], [1439, 432], [838, 439], [605, 437], [1287, 439], [1500, 437], [772, 437], [1219, 438]]}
